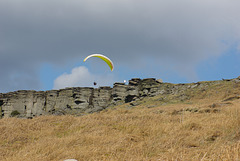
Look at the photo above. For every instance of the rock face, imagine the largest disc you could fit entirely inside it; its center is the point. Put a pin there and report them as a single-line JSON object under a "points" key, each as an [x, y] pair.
{"points": [[82, 100]]}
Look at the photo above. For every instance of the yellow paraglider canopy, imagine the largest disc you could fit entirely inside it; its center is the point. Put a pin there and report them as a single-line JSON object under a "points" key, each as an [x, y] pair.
{"points": [[106, 59]]}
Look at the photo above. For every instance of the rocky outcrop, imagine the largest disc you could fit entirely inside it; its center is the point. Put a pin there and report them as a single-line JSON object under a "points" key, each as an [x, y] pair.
{"points": [[82, 100], [56, 102]]}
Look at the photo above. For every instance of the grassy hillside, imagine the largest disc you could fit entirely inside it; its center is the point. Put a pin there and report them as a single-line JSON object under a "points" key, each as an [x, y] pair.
{"points": [[197, 124]]}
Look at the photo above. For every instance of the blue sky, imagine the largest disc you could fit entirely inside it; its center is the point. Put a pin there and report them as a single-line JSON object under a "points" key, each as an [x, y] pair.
{"points": [[43, 43]]}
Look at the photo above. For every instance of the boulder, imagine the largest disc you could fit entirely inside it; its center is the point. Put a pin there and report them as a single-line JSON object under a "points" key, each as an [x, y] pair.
{"points": [[134, 82], [159, 81]]}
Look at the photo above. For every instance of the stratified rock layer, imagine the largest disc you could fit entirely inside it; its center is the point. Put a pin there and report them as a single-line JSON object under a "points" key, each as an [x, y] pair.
{"points": [[81, 100]]}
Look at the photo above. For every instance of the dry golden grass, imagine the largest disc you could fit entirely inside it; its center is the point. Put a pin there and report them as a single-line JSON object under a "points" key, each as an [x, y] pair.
{"points": [[163, 132]]}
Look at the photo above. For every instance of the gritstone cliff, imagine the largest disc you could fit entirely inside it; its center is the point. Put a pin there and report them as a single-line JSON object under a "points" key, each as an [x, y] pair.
{"points": [[82, 100]]}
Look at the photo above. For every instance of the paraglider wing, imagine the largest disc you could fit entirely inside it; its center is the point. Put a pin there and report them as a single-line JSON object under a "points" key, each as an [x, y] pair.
{"points": [[106, 59]]}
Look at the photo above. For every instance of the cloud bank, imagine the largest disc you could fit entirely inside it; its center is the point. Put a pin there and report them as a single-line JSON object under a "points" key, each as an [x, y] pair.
{"points": [[182, 33]]}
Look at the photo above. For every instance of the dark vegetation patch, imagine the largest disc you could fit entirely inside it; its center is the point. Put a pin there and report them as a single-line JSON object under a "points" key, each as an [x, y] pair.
{"points": [[15, 113]]}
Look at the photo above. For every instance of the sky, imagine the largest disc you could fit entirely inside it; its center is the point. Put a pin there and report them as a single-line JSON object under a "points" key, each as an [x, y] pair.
{"points": [[43, 43]]}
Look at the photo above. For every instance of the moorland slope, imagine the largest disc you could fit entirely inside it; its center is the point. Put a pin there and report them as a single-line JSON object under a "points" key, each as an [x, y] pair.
{"points": [[198, 122]]}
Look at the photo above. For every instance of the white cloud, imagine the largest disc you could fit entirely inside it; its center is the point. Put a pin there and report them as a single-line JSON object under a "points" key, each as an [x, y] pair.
{"points": [[81, 77]]}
